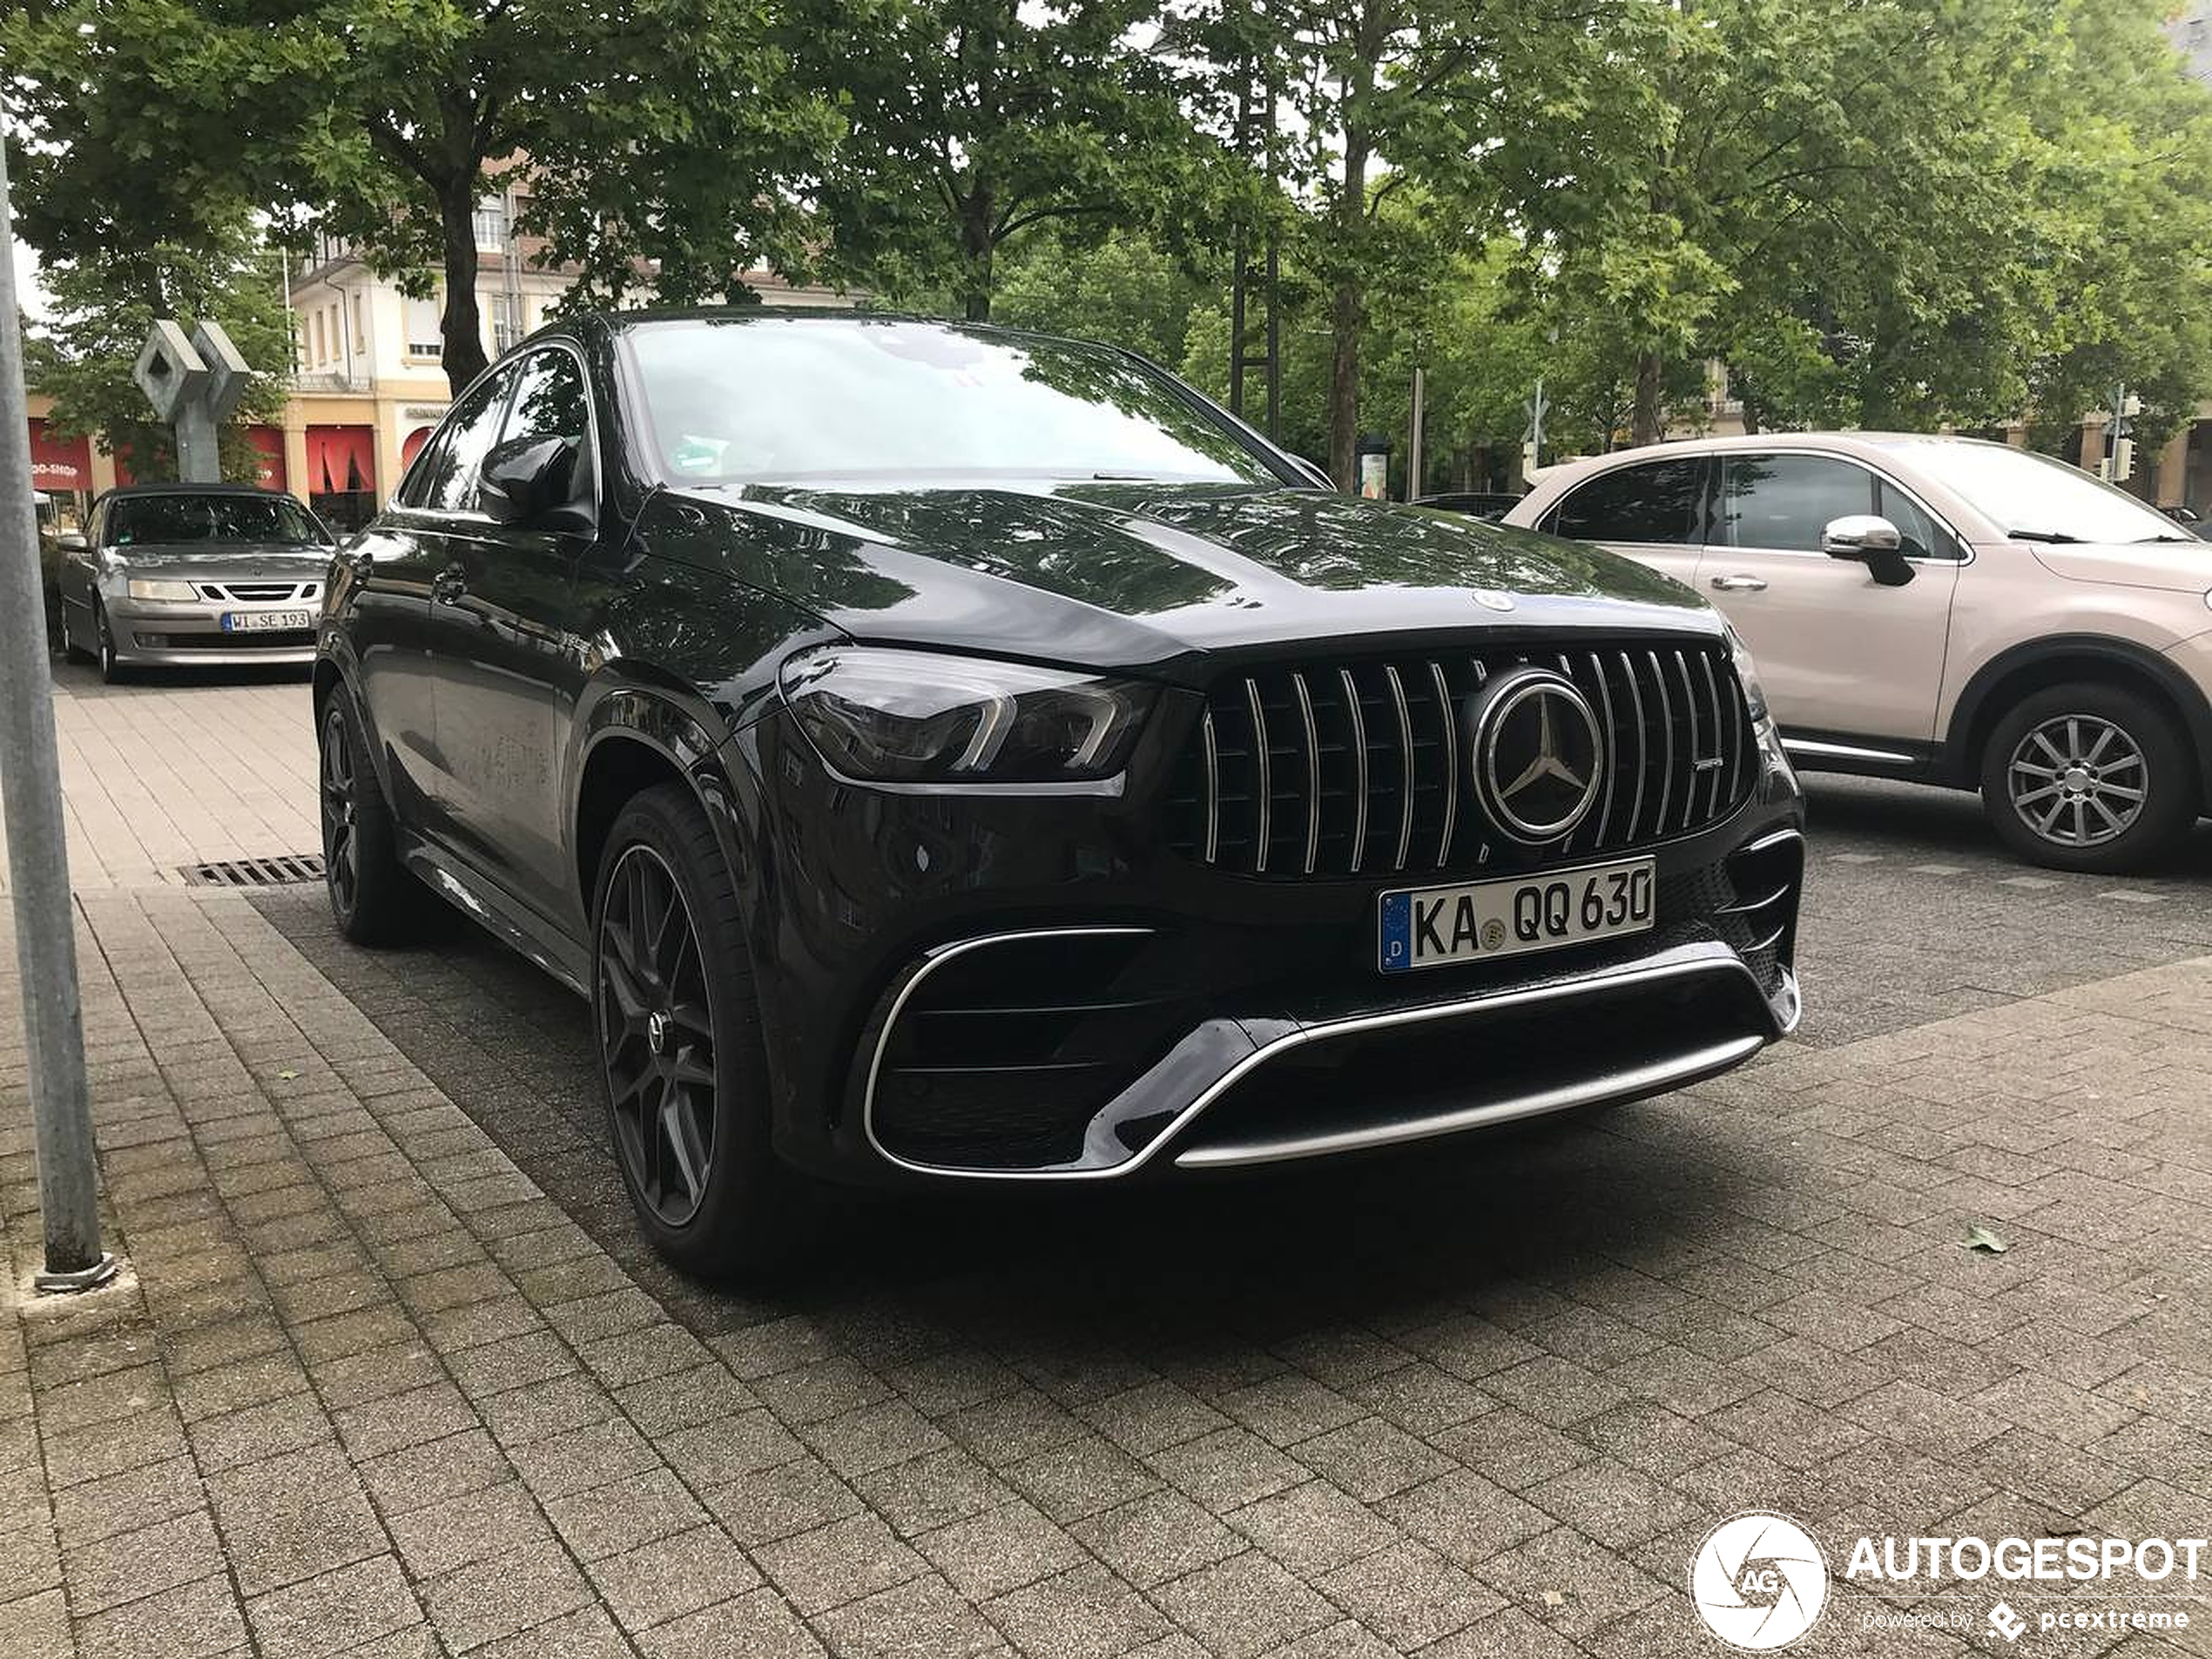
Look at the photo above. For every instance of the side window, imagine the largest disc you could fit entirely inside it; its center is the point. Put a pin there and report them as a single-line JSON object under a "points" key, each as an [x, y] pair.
{"points": [[548, 399], [1783, 502], [448, 480], [1919, 537], [1657, 502]]}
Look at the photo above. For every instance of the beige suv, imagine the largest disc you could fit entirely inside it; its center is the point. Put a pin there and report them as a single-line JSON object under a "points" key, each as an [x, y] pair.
{"points": [[1943, 610]]}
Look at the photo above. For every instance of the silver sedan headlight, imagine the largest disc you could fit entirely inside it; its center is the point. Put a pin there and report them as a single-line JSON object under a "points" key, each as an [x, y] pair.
{"points": [[155, 588]]}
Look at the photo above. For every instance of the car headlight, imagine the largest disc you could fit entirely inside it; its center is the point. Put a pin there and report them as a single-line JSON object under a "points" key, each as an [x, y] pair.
{"points": [[152, 587], [898, 715], [1746, 671]]}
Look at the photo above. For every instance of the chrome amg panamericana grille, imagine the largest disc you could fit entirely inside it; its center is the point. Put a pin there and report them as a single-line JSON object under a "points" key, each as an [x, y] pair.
{"points": [[1363, 766]]}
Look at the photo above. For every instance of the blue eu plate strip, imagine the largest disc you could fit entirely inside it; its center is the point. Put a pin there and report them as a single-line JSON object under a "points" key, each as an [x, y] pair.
{"points": [[1397, 932]]}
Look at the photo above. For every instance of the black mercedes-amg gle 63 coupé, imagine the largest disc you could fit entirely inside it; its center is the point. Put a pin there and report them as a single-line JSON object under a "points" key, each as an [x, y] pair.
{"points": [[943, 753]]}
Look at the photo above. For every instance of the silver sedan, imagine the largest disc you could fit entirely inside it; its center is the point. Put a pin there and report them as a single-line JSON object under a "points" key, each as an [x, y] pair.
{"points": [[187, 575]]}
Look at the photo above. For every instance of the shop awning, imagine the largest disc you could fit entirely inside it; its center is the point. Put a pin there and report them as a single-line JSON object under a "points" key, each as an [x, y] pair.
{"points": [[340, 460], [58, 462], [269, 439]]}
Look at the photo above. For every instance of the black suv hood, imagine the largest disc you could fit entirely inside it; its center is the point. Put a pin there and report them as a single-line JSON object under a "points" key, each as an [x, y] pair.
{"points": [[1139, 574]]}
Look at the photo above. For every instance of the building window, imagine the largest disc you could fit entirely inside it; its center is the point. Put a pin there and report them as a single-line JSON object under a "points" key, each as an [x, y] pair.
{"points": [[507, 328], [424, 339], [361, 324], [322, 351], [491, 221]]}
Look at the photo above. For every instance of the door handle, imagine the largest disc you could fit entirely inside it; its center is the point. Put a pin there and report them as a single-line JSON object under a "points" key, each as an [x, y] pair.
{"points": [[449, 584], [1739, 584]]}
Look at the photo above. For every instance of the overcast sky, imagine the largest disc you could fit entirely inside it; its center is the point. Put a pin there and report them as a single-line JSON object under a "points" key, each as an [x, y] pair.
{"points": [[28, 293]]}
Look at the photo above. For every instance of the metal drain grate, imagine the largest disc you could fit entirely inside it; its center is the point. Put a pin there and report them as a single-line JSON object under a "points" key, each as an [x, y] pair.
{"points": [[285, 869]]}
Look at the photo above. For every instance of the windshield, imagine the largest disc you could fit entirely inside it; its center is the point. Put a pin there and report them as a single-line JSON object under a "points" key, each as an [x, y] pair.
{"points": [[2036, 498], [784, 400], [163, 519]]}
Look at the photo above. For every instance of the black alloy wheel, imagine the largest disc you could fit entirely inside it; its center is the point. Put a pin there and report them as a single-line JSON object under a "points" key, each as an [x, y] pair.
{"points": [[340, 809], [372, 898], [656, 1033], [681, 1049]]}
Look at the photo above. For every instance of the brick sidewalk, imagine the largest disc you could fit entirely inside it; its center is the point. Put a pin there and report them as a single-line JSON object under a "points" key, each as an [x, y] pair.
{"points": [[373, 1392], [173, 768]]}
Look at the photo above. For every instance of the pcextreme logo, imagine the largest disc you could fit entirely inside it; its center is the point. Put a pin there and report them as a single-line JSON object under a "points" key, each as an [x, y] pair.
{"points": [[1759, 1581]]}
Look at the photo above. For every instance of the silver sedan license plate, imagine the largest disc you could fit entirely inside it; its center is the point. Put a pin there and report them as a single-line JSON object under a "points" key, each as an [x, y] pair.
{"points": [[258, 621], [1430, 926]]}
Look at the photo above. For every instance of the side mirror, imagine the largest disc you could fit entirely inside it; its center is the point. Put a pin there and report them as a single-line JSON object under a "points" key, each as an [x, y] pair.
{"points": [[532, 484], [70, 541], [1872, 540]]}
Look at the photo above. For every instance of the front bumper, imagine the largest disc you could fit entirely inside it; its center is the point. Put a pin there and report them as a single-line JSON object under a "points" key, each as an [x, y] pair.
{"points": [[185, 634], [1013, 986]]}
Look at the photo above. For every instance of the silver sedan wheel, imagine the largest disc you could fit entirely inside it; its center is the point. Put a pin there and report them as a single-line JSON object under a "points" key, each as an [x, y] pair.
{"points": [[2078, 781]]}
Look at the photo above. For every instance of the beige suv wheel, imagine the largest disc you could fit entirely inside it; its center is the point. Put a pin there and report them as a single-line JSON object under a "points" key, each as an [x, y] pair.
{"points": [[2089, 777]]}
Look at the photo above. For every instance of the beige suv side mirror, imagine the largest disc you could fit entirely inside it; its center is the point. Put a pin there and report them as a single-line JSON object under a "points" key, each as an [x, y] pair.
{"points": [[1872, 540]]}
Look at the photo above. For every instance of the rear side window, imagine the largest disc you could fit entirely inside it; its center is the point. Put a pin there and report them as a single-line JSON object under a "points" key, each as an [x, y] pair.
{"points": [[1656, 503], [1783, 502]]}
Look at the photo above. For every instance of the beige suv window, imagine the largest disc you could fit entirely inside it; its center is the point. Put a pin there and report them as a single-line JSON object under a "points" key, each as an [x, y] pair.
{"points": [[1782, 503]]}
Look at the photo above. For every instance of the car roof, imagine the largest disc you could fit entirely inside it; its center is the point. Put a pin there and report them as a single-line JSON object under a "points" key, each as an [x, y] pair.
{"points": [[620, 322], [122, 492], [1869, 445]]}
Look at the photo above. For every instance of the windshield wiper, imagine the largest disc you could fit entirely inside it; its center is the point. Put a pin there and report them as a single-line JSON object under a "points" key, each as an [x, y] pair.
{"points": [[2041, 535], [2141, 540]]}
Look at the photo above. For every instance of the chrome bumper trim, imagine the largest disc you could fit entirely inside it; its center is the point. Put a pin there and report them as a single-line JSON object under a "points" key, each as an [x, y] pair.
{"points": [[1684, 962], [1655, 1078]]}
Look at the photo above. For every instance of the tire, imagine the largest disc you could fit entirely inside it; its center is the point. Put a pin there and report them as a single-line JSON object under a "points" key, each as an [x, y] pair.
{"points": [[71, 652], [2091, 777], [112, 671], [671, 975], [372, 898]]}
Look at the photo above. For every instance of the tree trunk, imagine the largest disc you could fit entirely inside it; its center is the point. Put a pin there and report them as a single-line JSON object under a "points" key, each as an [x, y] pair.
{"points": [[1348, 304], [976, 242], [1344, 386], [1347, 309], [461, 326], [1651, 410]]}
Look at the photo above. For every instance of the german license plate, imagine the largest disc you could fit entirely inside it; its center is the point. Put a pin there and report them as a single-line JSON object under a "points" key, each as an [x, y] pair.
{"points": [[1430, 926], [266, 622]]}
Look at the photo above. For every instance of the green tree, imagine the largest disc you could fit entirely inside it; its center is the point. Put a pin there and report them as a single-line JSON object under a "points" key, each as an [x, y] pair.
{"points": [[1889, 212], [381, 125], [975, 122], [101, 311], [1124, 289]]}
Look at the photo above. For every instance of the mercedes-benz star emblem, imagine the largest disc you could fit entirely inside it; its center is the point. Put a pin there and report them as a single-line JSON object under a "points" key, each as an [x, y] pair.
{"points": [[1539, 756], [657, 1032], [1491, 599]]}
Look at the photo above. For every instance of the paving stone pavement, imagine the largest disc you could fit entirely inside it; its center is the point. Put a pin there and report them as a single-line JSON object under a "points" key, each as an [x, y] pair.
{"points": [[178, 767], [395, 1375]]}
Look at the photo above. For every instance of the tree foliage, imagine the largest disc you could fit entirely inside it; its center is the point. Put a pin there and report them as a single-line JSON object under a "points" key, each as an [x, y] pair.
{"points": [[382, 125], [975, 123], [1871, 211], [82, 352]]}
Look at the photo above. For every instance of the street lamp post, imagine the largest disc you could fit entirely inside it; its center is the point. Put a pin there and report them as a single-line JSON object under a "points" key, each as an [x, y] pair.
{"points": [[37, 854]]}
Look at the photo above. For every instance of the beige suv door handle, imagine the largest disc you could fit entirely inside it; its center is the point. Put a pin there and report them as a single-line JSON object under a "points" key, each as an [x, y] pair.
{"points": [[1739, 584]]}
